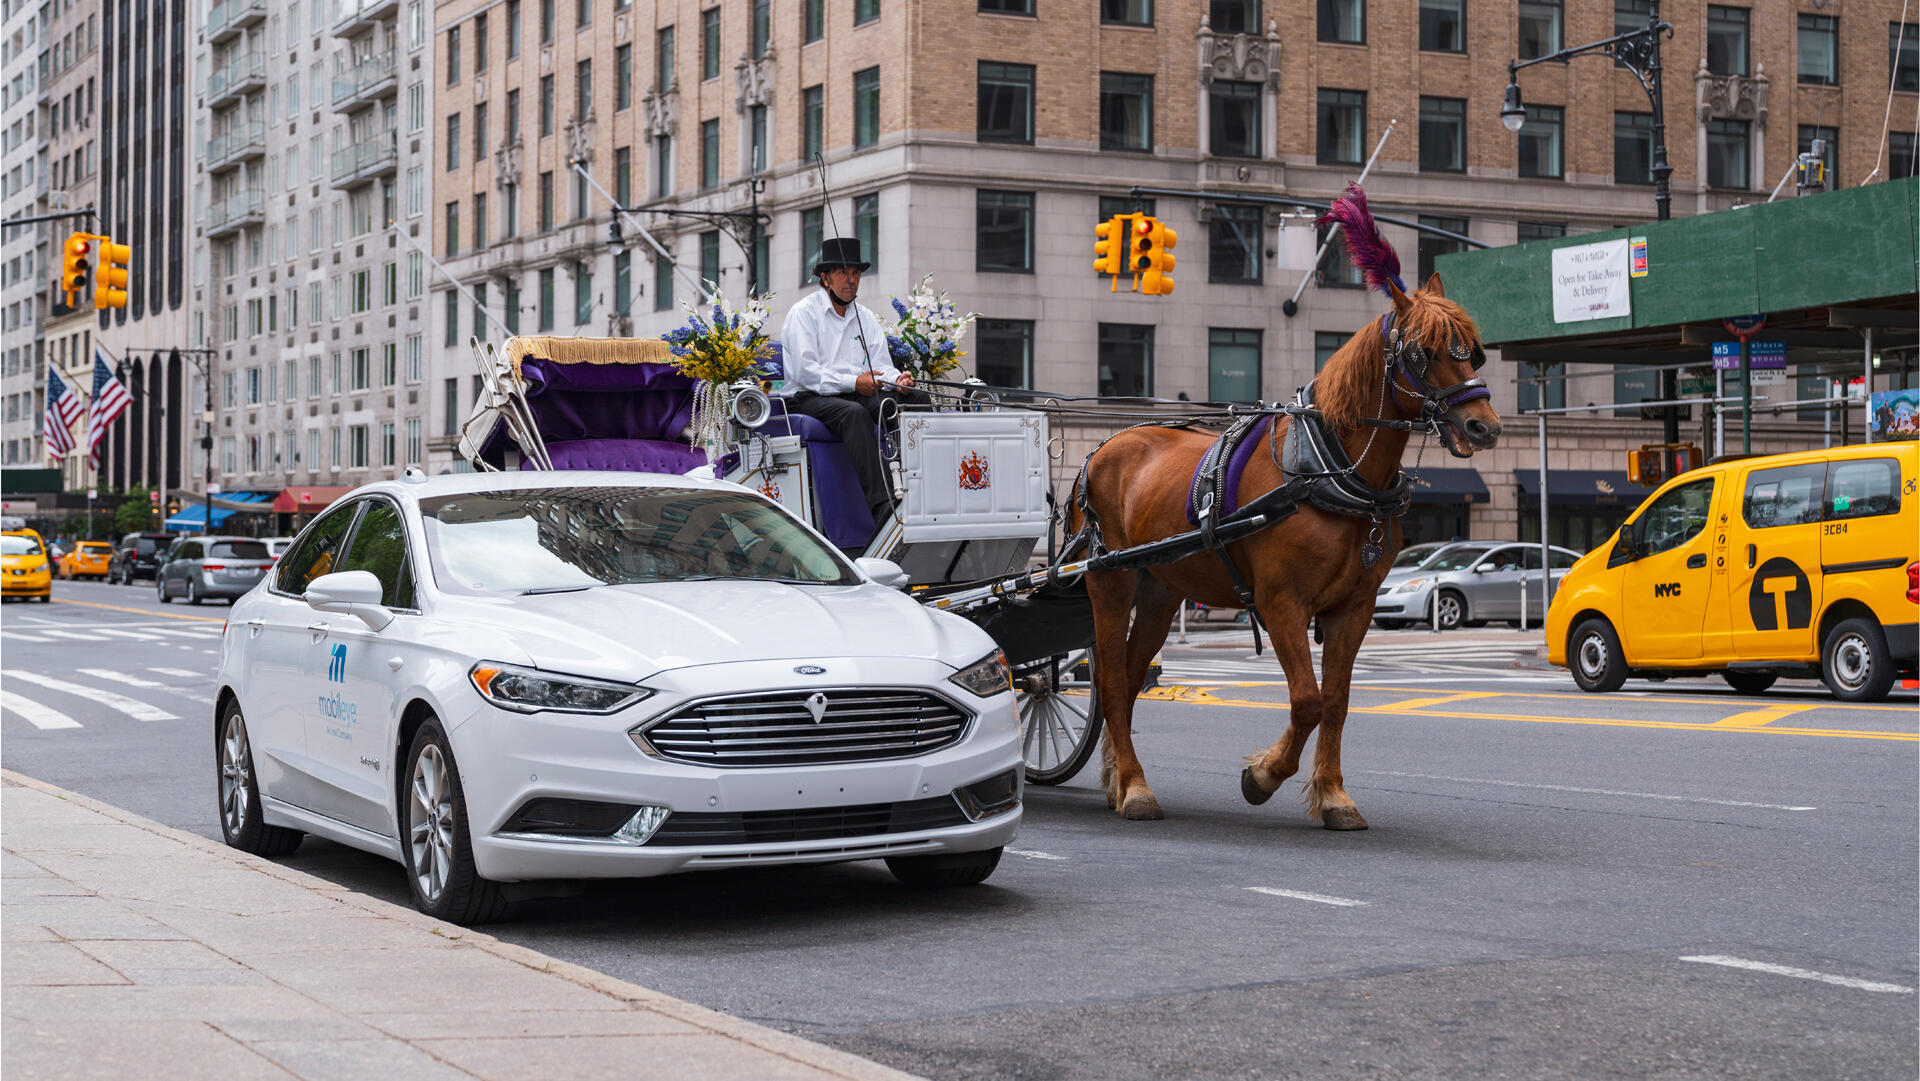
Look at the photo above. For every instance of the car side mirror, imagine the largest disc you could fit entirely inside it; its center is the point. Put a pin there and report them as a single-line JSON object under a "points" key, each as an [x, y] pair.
{"points": [[884, 571], [351, 593], [1484, 568]]}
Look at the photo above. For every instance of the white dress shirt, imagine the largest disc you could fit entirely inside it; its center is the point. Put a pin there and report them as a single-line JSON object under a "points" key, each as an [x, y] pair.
{"points": [[822, 348]]}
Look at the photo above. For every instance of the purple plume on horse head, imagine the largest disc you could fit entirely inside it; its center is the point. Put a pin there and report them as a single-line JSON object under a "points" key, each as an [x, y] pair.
{"points": [[1370, 252]]}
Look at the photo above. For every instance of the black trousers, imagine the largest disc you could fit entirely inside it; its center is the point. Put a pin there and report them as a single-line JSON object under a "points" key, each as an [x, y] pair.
{"points": [[855, 418]]}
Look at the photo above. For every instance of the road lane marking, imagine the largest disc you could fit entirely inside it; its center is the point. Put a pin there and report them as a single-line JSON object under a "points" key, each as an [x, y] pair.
{"points": [[143, 636], [1799, 973], [138, 611], [119, 677], [1033, 855], [138, 710], [34, 713], [82, 636], [179, 672], [1441, 700], [21, 637], [1302, 895], [1585, 791], [1756, 717]]}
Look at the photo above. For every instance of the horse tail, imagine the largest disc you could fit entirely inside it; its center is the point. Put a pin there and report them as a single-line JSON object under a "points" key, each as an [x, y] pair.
{"points": [[1371, 254]]}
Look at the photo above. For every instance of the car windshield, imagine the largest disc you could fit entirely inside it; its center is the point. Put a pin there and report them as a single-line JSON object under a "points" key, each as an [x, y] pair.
{"points": [[1413, 555], [1454, 559], [239, 550], [19, 546], [554, 539], [96, 548]]}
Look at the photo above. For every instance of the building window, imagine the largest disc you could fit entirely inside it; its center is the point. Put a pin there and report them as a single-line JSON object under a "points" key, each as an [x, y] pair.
{"points": [[1443, 135], [453, 228], [583, 90], [480, 43], [1003, 231], [662, 167], [663, 60], [1633, 148], [546, 298], [813, 121], [1125, 354], [1541, 143], [1335, 269], [386, 444], [865, 11], [1541, 230], [1003, 352], [1343, 21], [546, 22], [710, 43], [866, 107], [1233, 365], [513, 29], [623, 175], [582, 294], [1727, 40], [760, 28], [662, 284], [510, 309], [1325, 345], [1540, 23], [1555, 386], [814, 21], [710, 257], [1342, 127], [1432, 247], [623, 283], [866, 226], [1903, 56], [361, 369], [1126, 111], [812, 229], [480, 133], [545, 198], [1233, 244], [453, 57], [453, 142], [414, 446], [357, 446], [1127, 12], [1234, 16], [1443, 26], [480, 311], [1829, 151], [1819, 51], [1727, 154], [1902, 159], [582, 14], [757, 137], [546, 106], [710, 153], [450, 404], [1005, 112], [622, 77], [453, 322], [1233, 119]]}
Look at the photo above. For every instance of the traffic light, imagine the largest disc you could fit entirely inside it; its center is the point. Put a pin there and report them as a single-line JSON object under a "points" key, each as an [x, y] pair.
{"points": [[1109, 237], [75, 271], [1158, 278], [1139, 247], [111, 290]]}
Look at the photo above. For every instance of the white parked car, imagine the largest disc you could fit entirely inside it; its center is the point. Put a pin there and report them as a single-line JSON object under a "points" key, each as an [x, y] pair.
{"points": [[511, 676]]}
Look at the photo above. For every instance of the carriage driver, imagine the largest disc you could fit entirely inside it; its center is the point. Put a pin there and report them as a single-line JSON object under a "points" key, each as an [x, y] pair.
{"points": [[837, 367]]}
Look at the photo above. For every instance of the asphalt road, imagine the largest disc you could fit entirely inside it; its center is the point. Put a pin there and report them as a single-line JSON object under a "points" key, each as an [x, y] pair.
{"points": [[1545, 873]]}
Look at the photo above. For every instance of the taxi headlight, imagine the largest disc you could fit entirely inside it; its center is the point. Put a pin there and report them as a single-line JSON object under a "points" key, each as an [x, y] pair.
{"points": [[986, 677], [1410, 585], [528, 690]]}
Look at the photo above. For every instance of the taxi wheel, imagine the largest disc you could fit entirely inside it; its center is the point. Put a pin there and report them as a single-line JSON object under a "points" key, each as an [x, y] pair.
{"points": [[1749, 682], [946, 870], [1593, 653], [1855, 663], [240, 821], [437, 846]]}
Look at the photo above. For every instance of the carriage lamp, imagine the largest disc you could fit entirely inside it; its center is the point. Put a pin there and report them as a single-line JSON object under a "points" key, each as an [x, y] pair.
{"points": [[1513, 114]]}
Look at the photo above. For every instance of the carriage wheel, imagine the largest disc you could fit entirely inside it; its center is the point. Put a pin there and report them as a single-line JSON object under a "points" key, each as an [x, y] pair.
{"points": [[1059, 720]]}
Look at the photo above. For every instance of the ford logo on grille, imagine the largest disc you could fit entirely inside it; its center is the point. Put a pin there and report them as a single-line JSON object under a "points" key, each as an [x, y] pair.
{"points": [[810, 670]]}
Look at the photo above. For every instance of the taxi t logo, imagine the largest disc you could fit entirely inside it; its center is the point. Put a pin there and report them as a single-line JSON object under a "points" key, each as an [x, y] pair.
{"points": [[337, 668]]}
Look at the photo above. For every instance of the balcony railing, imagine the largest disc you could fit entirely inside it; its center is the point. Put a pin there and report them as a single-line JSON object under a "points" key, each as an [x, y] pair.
{"points": [[352, 16], [364, 77], [242, 208], [243, 141], [365, 160], [244, 72], [232, 16]]}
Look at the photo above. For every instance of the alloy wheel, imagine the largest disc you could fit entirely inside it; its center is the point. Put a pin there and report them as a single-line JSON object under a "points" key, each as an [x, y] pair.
{"points": [[430, 823], [236, 767]]}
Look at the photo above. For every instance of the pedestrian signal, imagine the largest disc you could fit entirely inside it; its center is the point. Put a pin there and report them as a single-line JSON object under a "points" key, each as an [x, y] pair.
{"points": [[111, 291]]}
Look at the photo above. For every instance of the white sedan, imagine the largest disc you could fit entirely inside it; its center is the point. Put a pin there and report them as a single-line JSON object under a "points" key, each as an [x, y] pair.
{"points": [[502, 677]]}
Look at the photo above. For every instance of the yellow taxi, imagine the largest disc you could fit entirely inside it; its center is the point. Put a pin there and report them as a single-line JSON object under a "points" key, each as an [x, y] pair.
{"points": [[1803, 564], [24, 570], [89, 559]]}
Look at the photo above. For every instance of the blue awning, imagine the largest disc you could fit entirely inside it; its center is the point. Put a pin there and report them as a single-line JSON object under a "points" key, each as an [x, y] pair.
{"points": [[1583, 487], [1448, 486], [193, 519]]}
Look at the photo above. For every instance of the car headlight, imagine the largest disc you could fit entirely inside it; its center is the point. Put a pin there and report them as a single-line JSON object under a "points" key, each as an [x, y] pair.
{"points": [[986, 677], [1410, 585], [528, 690]]}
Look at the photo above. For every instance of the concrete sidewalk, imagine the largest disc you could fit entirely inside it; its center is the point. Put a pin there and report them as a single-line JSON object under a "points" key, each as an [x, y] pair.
{"points": [[132, 950]]}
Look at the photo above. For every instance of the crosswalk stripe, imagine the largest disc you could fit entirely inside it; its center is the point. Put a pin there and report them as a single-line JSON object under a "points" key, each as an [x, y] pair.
{"points": [[178, 672], [138, 710], [82, 636], [16, 636], [119, 677], [121, 632], [34, 713]]}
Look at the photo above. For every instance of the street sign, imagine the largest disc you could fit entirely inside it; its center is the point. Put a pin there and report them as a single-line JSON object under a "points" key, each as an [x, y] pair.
{"points": [[1744, 326], [1726, 355], [213, 488], [1695, 384], [93, 493]]}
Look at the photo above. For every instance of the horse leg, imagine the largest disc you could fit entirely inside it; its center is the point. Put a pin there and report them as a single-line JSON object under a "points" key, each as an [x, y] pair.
{"points": [[1113, 594], [1326, 793], [1267, 770]]}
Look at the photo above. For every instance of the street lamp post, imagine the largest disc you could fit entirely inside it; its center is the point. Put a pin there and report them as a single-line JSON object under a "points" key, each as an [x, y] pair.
{"points": [[1639, 52]]}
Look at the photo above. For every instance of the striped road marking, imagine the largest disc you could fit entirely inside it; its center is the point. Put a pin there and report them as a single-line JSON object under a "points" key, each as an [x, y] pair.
{"points": [[119, 677], [138, 710], [179, 672], [1799, 973], [1586, 791], [16, 636], [139, 611], [1028, 854], [1302, 895], [34, 713]]}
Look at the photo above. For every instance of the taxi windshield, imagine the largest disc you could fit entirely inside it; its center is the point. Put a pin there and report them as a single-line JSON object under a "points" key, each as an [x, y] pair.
{"points": [[1454, 559], [558, 539], [19, 546]]}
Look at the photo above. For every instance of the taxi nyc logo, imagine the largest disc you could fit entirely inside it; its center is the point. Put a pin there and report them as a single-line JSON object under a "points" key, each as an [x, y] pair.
{"points": [[337, 668]]}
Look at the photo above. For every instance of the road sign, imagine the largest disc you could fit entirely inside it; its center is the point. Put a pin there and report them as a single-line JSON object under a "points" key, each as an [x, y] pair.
{"points": [[1726, 355], [1744, 326]]}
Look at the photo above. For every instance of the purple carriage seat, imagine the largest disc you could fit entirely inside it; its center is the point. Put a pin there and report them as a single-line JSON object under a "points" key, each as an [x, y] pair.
{"points": [[603, 404], [838, 500]]}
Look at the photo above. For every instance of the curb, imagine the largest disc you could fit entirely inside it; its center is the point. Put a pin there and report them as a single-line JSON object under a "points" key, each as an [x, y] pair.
{"points": [[772, 1041]]}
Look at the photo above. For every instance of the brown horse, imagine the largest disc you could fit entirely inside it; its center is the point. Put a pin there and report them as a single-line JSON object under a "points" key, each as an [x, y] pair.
{"points": [[1307, 565]]}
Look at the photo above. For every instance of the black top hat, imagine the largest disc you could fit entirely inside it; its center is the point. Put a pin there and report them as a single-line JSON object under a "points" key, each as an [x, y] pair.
{"points": [[839, 251]]}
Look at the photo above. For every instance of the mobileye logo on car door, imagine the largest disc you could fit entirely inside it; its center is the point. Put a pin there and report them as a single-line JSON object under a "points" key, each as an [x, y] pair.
{"points": [[337, 669], [811, 670], [817, 705]]}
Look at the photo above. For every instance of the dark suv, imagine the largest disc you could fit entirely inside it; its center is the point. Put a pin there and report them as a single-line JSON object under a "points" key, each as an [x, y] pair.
{"points": [[138, 555]]}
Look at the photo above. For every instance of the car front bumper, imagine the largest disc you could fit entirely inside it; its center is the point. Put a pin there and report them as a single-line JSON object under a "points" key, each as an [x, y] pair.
{"points": [[1415, 605], [31, 584], [507, 759]]}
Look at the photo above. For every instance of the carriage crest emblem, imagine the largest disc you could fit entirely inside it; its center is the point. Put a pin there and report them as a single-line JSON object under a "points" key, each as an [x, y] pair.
{"points": [[973, 473], [771, 489]]}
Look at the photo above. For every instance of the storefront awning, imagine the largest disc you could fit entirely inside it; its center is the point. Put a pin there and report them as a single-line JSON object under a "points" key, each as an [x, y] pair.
{"points": [[193, 519], [307, 500], [1582, 487], [1448, 486]]}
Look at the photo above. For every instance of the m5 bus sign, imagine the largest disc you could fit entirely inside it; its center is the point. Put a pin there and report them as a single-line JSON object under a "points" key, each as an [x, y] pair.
{"points": [[1726, 355]]}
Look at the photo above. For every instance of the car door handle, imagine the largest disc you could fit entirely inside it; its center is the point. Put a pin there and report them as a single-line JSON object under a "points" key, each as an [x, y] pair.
{"points": [[255, 626], [1696, 561], [317, 630], [394, 663], [1753, 554]]}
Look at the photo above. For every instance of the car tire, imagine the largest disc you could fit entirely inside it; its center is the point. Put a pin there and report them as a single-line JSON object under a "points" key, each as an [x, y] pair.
{"points": [[193, 595], [1593, 656], [1855, 663], [435, 844], [160, 589], [241, 823], [945, 870], [1453, 610], [1749, 682]]}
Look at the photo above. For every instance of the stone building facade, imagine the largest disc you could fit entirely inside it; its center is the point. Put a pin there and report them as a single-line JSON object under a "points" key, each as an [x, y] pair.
{"points": [[69, 156], [23, 180]]}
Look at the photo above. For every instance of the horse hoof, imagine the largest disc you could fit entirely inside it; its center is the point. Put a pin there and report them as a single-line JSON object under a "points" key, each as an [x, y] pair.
{"points": [[1251, 789], [1143, 809], [1342, 818]]}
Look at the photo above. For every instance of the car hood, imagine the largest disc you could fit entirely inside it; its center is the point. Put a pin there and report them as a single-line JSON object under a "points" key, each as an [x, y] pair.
{"points": [[633, 631], [22, 561]]}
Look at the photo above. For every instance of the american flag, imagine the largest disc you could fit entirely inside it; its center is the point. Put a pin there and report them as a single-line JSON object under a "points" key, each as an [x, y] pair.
{"points": [[63, 408], [110, 399]]}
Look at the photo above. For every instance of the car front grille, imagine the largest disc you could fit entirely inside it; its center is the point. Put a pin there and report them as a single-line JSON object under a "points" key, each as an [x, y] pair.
{"points": [[779, 729], [813, 824]]}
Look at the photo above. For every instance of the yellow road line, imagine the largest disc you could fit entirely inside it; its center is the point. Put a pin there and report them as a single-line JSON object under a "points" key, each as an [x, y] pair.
{"points": [[1756, 717], [1441, 700], [139, 611]]}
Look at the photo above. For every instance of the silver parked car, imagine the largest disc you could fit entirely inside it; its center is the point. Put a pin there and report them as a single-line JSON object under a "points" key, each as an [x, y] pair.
{"points": [[198, 568], [1470, 582]]}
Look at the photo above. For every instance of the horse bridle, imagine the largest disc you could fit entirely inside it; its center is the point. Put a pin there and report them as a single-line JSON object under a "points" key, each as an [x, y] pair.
{"points": [[1408, 360]]}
